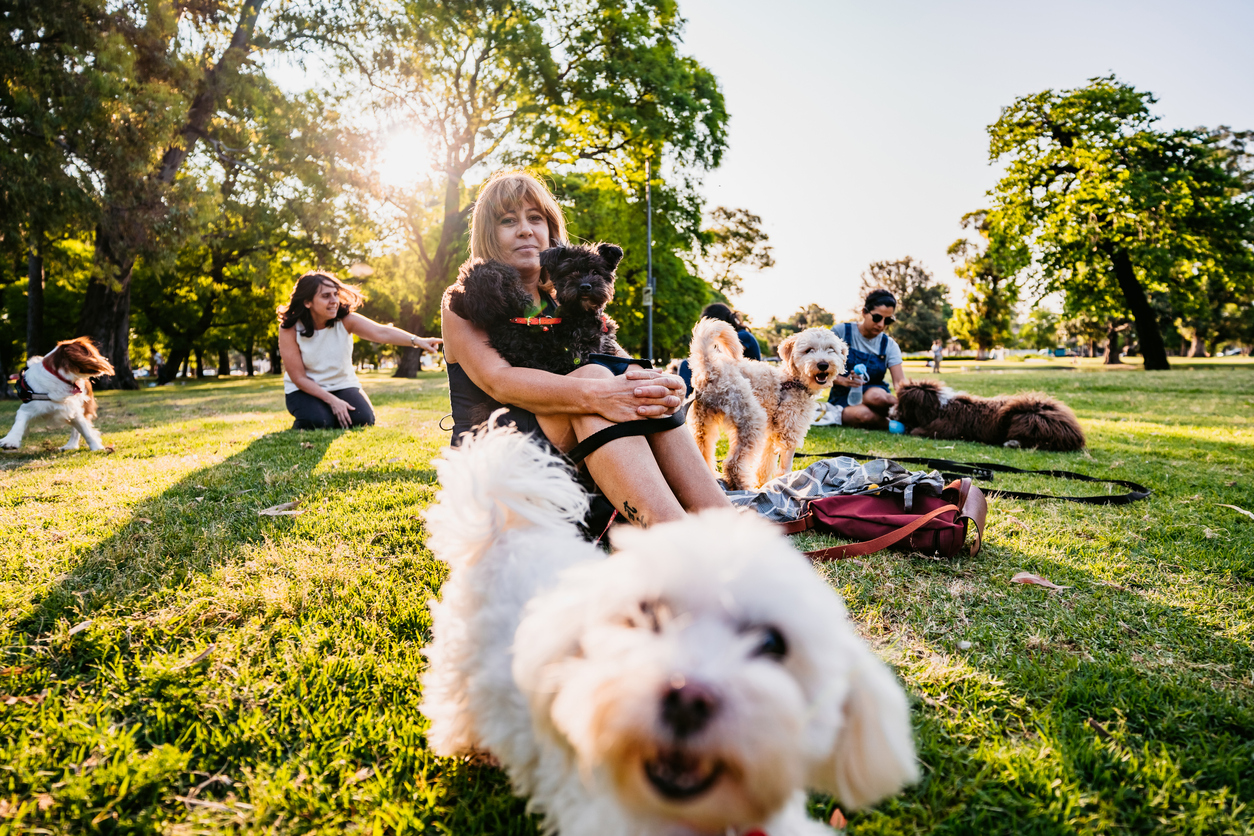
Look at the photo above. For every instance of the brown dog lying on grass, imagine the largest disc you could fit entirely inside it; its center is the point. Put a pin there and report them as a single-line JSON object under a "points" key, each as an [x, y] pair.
{"points": [[932, 410]]}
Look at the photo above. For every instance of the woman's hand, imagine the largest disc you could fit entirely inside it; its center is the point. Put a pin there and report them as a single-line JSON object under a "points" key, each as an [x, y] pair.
{"points": [[340, 409], [430, 344], [847, 380], [652, 395]]}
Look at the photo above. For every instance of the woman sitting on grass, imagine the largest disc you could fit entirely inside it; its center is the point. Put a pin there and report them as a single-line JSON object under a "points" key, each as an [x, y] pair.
{"points": [[649, 478], [321, 388], [879, 353]]}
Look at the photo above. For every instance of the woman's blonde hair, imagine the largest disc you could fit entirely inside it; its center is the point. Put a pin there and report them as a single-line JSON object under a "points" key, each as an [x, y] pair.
{"points": [[508, 191]]}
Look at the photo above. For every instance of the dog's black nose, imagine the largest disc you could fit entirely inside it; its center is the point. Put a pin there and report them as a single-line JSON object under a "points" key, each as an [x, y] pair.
{"points": [[688, 708], [586, 287], [823, 366]]}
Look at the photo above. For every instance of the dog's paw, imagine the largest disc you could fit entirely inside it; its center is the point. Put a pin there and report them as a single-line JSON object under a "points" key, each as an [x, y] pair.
{"points": [[1012, 443], [9, 444]]}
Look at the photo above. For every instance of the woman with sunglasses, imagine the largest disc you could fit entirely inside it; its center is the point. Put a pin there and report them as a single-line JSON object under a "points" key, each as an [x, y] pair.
{"points": [[870, 346]]}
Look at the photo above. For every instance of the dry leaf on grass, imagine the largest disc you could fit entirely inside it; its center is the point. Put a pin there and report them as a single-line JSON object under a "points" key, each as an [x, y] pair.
{"points": [[14, 670], [109, 448], [285, 509], [1036, 580], [1238, 510], [143, 520], [80, 627], [11, 699], [43, 801], [394, 460], [361, 774], [200, 657], [306, 445]]}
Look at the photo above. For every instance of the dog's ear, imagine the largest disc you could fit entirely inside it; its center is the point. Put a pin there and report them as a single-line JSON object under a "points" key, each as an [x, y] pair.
{"points": [[550, 258], [874, 752], [491, 292], [612, 253], [785, 350]]}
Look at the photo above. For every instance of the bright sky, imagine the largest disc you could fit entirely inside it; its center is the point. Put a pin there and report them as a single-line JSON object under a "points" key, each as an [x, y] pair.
{"points": [[858, 128]]}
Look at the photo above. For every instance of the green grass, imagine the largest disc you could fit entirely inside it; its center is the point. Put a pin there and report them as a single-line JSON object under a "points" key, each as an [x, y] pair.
{"points": [[174, 662]]}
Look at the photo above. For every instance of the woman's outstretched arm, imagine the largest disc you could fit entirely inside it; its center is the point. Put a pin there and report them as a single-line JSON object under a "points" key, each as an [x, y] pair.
{"points": [[375, 332]]}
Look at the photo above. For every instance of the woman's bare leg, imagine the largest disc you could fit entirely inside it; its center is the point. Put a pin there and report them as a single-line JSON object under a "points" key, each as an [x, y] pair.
{"points": [[685, 470], [625, 469]]}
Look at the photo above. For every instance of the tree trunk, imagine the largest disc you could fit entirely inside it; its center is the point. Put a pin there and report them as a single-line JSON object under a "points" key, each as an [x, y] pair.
{"points": [[34, 304], [248, 356], [439, 269], [179, 354], [276, 359], [1152, 349], [187, 365], [1111, 357], [199, 354], [106, 315]]}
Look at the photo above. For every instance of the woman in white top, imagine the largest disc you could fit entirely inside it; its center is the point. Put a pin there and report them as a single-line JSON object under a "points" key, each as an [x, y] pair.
{"points": [[316, 329]]}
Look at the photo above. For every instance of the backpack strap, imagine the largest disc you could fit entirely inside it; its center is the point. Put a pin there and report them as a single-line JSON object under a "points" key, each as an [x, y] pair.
{"points": [[879, 543], [985, 471]]}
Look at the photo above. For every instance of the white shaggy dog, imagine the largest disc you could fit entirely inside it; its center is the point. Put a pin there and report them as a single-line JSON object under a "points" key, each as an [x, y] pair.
{"points": [[695, 682], [57, 388], [766, 409]]}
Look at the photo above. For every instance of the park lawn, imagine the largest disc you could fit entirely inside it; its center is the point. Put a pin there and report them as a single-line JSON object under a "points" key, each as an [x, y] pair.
{"points": [[174, 662]]}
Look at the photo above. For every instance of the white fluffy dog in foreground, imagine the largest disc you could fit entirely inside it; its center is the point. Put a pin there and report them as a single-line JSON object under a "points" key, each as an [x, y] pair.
{"points": [[695, 682], [57, 388]]}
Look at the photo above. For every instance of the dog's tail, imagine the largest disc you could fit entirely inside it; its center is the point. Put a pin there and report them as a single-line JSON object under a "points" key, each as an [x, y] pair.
{"points": [[498, 479], [712, 337]]}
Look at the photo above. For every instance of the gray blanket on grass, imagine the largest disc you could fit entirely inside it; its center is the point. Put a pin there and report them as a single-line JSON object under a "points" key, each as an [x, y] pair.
{"points": [[784, 498]]}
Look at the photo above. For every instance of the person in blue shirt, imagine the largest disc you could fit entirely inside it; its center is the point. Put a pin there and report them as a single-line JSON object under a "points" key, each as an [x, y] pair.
{"points": [[873, 348], [717, 310]]}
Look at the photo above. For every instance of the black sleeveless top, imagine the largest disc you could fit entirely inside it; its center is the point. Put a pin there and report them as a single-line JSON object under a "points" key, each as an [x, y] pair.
{"points": [[472, 406]]}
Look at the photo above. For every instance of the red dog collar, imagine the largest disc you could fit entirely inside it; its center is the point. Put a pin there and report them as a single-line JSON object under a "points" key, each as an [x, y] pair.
{"points": [[537, 320], [59, 376]]}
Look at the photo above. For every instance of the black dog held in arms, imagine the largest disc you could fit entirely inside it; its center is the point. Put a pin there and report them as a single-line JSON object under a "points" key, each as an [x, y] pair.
{"points": [[491, 295]]}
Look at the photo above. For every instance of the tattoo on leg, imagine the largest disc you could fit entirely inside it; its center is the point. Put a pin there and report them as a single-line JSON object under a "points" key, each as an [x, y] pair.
{"points": [[632, 514]]}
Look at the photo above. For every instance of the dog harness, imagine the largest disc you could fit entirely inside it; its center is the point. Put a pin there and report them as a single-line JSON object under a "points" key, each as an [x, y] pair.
{"points": [[791, 383], [26, 393]]}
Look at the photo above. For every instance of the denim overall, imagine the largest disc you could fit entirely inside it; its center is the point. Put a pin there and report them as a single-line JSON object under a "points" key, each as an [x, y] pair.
{"points": [[876, 366]]}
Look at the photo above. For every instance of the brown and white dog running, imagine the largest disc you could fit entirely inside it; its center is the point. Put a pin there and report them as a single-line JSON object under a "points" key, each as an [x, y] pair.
{"points": [[766, 409], [932, 410], [57, 388]]}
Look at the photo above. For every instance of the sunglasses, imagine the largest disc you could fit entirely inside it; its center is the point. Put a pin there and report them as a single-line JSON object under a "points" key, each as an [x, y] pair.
{"points": [[888, 320]]}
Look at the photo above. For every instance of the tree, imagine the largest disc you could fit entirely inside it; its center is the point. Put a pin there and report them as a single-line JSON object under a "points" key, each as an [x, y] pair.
{"points": [[1040, 330], [541, 83], [1111, 205], [922, 311], [735, 242], [989, 268]]}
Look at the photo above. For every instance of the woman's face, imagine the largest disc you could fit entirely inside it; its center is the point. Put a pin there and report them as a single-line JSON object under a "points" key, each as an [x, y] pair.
{"points": [[522, 235], [326, 302], [871, 328]]}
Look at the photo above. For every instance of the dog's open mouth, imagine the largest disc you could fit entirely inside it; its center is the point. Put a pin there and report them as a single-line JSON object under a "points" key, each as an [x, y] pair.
{"points": [[821, 378], [680, 776]]}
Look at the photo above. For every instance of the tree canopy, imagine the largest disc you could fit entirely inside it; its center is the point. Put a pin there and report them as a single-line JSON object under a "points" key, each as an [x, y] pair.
{"points": [[922, 310], [1122, 217]]}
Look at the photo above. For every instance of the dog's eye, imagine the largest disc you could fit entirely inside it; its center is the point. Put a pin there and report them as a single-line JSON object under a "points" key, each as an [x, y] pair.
{"points": [[649, 614], [771, 643]]}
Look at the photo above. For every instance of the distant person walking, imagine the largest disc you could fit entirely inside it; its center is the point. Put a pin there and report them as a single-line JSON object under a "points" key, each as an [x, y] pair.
{"points": [[316, 329], [938, 351]]}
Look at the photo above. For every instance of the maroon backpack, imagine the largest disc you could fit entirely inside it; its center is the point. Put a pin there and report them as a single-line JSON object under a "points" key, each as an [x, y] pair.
{"points": [[936, 525]]}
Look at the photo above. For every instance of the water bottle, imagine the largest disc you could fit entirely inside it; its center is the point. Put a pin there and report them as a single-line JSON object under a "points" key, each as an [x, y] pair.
{"points": [[855, 392]]}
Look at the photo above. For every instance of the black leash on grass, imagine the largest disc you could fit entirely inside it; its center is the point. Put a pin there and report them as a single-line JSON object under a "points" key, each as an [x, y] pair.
{"points": [[985, 470]]}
